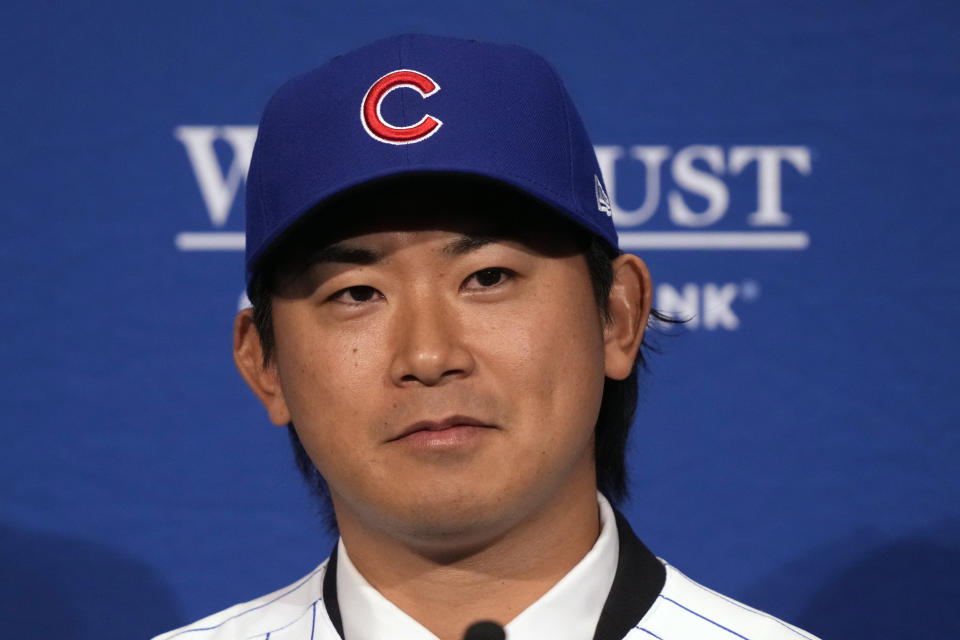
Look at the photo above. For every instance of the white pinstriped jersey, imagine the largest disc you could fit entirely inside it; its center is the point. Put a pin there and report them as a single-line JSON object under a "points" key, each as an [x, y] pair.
{"points": [[684, 610]]}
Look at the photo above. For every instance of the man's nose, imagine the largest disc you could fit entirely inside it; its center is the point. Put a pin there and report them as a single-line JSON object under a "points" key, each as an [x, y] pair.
{"points": [[430, 348]]}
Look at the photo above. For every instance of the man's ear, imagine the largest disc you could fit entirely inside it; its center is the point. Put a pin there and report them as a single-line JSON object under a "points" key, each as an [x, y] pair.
{"points": [[262, 378], [631, 298]]}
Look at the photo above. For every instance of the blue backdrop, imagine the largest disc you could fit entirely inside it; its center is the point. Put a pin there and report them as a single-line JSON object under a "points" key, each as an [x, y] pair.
{"points": [[788, 170]]}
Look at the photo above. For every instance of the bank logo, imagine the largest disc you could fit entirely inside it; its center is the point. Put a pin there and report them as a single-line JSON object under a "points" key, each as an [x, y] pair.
{"points": [[710, 305], [381, 130]]}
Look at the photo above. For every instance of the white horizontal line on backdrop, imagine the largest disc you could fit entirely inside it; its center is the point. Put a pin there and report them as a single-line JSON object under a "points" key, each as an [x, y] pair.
{"points": [[210, 241], [722, 240], [716, 240]]}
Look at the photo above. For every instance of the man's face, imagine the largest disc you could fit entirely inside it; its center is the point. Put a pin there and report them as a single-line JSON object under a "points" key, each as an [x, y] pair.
{"points": [[444, 375]]}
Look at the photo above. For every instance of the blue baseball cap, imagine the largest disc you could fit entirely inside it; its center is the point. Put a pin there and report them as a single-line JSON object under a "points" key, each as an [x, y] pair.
{"points": [[414, 104]]}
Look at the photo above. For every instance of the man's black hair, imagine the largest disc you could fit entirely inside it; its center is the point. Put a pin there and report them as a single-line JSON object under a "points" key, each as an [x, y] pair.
{"points": [[619, 400]]}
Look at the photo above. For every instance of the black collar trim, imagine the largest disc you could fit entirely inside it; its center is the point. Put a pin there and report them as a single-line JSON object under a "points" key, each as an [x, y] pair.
{"points": [[330, 600], [639, 580]]}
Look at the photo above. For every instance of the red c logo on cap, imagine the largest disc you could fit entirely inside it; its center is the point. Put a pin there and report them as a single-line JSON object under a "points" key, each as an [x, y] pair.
{"points": [[381, 130]]}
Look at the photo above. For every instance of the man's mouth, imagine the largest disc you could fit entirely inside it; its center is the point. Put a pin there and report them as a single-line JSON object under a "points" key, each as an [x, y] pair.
{"points": [[427, 427]]}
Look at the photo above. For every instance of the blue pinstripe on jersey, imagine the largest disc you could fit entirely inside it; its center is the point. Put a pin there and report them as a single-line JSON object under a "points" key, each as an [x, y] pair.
{"points": [[748, 609], [259, 606], [312, 608], [648, 632], [703, 617]]}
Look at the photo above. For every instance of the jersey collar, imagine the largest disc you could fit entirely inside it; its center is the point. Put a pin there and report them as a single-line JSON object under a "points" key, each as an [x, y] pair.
{"points": [[602, 597]]}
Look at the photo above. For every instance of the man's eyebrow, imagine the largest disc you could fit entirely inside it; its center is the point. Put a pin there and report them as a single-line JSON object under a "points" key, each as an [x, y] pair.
{"points": [[342, 252], [467, 243], [339, 252]]}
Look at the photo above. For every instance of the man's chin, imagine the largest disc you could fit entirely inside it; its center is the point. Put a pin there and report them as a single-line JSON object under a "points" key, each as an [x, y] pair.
{"points": [[447, 528]]}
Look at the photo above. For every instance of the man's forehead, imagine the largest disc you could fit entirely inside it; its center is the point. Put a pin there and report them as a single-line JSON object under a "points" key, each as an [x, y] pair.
{"points": [[454, 233], [450, 242], [465, 228]]}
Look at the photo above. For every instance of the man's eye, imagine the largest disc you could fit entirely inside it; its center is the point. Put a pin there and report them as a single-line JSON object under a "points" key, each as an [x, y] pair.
{"points": [[355, 295], [486, 278]]}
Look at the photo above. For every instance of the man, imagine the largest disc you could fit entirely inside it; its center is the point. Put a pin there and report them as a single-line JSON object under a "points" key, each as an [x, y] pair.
{"points": [[444, 322]]}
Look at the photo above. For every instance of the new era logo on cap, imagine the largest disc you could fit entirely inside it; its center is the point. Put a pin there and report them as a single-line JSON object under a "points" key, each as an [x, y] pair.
{"points": [[603, 200], [380, 129]]}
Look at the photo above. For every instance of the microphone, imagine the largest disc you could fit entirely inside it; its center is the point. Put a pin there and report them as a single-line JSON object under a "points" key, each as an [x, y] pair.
{"points": [[485, 630]]}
